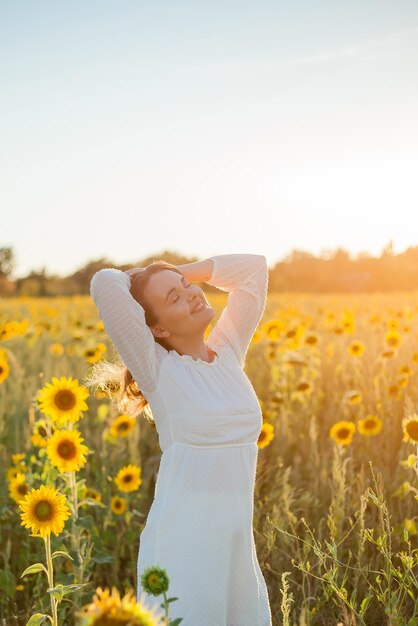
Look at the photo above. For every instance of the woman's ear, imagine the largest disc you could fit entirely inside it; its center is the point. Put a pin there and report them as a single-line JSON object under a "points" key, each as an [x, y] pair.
{"points": [[157, 331]]}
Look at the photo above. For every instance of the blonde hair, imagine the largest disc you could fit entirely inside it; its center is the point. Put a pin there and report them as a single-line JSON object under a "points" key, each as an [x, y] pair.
{"points": [[112, 377]]}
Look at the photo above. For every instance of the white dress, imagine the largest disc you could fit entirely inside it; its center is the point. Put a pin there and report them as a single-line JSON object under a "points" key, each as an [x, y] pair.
{"points": [[208, 419]]}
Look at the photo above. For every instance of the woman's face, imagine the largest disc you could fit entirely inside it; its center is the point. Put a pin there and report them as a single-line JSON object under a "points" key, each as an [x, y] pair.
{"points": [[173, 299]]}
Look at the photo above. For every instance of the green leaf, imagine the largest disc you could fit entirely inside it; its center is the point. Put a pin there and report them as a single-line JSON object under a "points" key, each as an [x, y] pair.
{"points": [[176, 622], [86, 521], [36, 618], [33, 569], [56, 591], [364, 604], [100, 556], [63, 590], [62, 553], [91, 502]]}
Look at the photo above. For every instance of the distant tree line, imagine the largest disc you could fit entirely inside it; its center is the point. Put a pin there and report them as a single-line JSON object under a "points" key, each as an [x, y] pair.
{"points": [[331, 271]]}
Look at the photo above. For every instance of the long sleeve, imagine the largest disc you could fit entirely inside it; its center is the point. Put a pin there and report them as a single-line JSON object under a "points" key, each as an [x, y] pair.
{"points": [[124, 321], [245, 277]]}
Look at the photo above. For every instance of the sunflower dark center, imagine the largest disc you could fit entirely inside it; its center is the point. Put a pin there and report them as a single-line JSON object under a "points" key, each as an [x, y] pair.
{"points": [[127, 478], [369, 424], [43, 510], [123, 426], [66, 449], [22, 489], [343, 433], [412, 429], [65, 399], [1, 369]]}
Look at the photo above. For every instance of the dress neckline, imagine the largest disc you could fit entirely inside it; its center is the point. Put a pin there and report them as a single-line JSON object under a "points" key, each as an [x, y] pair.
{"points": [[198, 360]]}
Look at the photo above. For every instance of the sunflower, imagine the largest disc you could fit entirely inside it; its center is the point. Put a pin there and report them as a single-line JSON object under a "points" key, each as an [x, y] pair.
{"points": [[395, 391], [370, 425], [12, 472], [94, 354], [356, 348], [403, 381], [392, 338], [18, 463], [277, 398], [271, 352], [304, 386], [44, 510], [56, 349], [118, 505], [39, 438], [312, 339], [410, 428], [63, 400], [128, 478], [387, 354], [348, 323], [266, 435], [354, 396], [155, 580], [38, 441], [66, 451], [108, 608], [100, 394], [392, 324], [4, 368], [122, 426], [18, 487], [92, 494], [273, 329], [342, 432], [411, 461], [18, 457]]}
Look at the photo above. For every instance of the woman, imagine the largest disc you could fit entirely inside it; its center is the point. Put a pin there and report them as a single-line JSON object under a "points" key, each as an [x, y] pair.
{"points": [[208, 419]]}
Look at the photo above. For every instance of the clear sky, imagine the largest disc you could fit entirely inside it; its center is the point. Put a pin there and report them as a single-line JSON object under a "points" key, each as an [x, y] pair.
{"points": [[204, 128]]}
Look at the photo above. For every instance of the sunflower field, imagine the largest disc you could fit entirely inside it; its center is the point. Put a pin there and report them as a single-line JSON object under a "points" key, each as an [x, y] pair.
{"points": [[336, 500]]}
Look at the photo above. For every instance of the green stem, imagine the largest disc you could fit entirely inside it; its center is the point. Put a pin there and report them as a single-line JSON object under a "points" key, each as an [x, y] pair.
{"points": [[74, 493], [165, 607], [75, 531], [50, 569]]}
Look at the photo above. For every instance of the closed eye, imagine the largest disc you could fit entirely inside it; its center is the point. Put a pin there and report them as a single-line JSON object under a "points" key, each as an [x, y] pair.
{"points": [[189, 285]]}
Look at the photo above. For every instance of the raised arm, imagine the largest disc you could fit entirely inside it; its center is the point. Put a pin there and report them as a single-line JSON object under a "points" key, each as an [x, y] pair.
{"points": [[245, 277], [124, 321]]}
